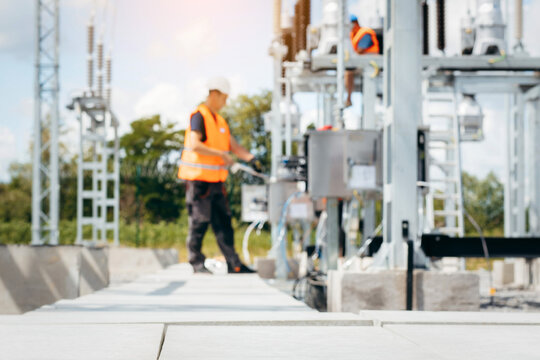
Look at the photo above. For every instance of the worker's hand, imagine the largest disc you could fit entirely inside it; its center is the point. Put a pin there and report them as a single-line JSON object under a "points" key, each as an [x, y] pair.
{"points": [[255, 165], [227, 159]]}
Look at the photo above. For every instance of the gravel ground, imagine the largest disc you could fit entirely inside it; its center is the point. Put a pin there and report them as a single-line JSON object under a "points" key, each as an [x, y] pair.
{"points": [[508, 300]]}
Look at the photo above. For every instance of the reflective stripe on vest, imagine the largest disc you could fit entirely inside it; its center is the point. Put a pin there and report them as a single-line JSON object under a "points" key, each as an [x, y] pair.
{"points": [[194, 166], [359, 34]]}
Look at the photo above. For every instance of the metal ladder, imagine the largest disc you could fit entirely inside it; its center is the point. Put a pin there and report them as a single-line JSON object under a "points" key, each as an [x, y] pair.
{"points": [[444, 154]]}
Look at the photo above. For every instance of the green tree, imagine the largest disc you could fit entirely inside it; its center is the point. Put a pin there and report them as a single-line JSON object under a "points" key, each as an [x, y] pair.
{"points": [[244, 115], [484, 201], [153, 148]]}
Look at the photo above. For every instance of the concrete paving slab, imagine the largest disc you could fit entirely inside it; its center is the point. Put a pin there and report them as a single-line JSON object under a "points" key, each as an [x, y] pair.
{"points": [[81, 342], [138, 317], [474, 342], [288, 342], [450, 318]]}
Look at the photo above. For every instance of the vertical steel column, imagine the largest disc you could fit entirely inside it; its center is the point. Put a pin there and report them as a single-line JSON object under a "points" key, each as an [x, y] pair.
{"points": [[369, 100], [515, 186], [332, 238], [340, 74], [45, 174], [277, 51], [80, 178], [533, 111], [402, 93]]}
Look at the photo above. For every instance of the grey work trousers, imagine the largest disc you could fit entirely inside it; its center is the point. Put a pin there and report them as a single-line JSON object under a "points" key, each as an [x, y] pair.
{"points": [[207, 204]]}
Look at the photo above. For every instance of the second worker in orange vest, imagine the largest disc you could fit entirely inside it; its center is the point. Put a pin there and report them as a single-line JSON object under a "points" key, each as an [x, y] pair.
{"points": [[205, 158], [364, 42]]}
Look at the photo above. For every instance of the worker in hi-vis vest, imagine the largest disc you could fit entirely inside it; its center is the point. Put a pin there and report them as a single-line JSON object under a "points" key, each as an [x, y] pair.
{"points": [[205, 158], [364, 41]]}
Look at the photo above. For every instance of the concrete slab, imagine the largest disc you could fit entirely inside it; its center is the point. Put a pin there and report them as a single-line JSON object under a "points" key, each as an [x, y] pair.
{"points": [[128, 264], [474, 342], [59, 342], [288, 342], [384, 318]]}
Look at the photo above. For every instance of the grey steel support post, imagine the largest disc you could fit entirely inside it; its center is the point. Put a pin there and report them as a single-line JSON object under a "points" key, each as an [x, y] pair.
{"points": [[116, 165], [80, 179], [340, 73], [369, 100], [277, 51], [533, 111], [515, 186], [45, 172], [402, 94], [288, 125], [332, 238]]}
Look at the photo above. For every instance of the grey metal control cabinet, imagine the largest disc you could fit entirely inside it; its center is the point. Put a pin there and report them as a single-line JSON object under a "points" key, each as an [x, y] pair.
{"points": [[337, 161]]}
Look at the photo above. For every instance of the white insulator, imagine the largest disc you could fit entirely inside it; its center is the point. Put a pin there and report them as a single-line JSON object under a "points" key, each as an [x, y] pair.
{"points": [[108, 94], [100, 55], [277, 17], [519, 19], [99, 84], [108, 69], [90, 38], [90, 72]]}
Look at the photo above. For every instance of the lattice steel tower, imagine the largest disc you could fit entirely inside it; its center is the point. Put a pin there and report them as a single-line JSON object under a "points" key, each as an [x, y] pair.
{"points": [[45, 183]]}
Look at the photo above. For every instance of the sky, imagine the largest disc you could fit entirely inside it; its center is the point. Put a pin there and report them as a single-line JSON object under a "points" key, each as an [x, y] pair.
{"points": [[164, 51]]}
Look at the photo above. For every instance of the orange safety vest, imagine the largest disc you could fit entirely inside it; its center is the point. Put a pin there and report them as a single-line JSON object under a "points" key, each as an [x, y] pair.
{"points": [[359, 34], [194, 166]]}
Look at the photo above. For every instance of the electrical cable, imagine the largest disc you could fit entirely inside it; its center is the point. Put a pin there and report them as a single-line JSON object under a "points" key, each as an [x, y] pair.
{"points": [[245, 250], [486, 252]]}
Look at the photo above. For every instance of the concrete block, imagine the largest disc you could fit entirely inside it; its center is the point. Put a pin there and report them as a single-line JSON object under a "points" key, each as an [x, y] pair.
{"points": [[34, 276], [355, 291], [439, 291], [127, 264], [386, 290], [94, 270], [266, 268], [503, 273]]}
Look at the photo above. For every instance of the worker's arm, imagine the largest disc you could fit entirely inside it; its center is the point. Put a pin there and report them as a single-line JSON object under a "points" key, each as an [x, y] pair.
{"points": [[199, 147], [240, 151]]}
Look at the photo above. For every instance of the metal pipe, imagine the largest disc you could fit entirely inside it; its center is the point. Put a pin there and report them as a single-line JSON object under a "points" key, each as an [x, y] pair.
{"points": [[340, 74], [36, 161], [441, 25], [288, 125], [54, 199]]}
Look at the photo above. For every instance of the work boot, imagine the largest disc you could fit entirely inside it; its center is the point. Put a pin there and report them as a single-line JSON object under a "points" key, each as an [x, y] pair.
{"points": [[239, 269], [201, 269]]}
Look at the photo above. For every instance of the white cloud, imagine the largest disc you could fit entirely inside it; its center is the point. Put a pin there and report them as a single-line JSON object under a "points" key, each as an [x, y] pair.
{"points": [[196, 41], [171, 101]]}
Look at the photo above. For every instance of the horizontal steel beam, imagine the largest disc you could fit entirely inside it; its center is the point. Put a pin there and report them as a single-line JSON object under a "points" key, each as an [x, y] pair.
{"points": [[437, 245], [463, 63]]}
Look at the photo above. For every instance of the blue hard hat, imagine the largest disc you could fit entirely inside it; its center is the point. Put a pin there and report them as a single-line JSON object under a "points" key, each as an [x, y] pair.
{"points": [[354, 18]]}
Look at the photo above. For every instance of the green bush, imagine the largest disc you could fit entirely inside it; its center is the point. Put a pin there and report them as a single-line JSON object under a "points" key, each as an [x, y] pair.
{"points": [[160, 235]]}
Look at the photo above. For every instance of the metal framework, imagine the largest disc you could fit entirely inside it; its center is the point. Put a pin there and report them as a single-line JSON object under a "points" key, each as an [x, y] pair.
{"points": [[45, 182], [448, 77], [98, 173], [98, 166]]}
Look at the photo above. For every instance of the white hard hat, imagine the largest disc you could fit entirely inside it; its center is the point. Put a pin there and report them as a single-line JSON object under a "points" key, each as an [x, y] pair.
{"points": [[219, 83]]}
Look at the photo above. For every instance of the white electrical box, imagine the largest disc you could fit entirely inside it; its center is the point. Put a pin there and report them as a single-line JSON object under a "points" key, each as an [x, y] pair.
{"points": [[254, 203]]}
